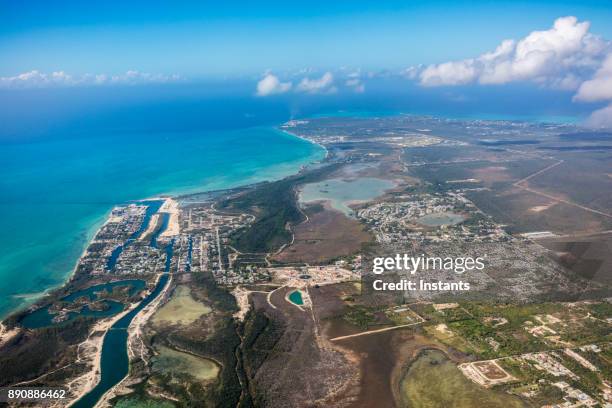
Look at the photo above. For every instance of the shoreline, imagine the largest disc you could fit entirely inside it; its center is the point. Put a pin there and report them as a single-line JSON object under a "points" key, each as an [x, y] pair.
{"points": [[92, 230], [91, 347], [35, 297], [305, 139]]}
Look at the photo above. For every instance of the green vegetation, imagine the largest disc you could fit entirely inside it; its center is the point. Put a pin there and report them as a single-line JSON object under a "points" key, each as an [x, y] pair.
{"points": [[219, 297], [220, 346], [136, 402], [364, 317], [434, 381], [401, 315], [601, 310], [586, 332], [275, 207], [31, 354], [260, 335], [477, 326], [588, 381], [546, 394], [525, 372]]}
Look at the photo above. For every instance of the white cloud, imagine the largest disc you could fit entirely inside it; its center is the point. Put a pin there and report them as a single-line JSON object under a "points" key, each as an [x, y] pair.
{"points": [[599, 88], [325, 84], [37, 79], [601, 118], [270, 85], [449, 73], [565, 56], [412, 72], [355, 84], [559, 57]]}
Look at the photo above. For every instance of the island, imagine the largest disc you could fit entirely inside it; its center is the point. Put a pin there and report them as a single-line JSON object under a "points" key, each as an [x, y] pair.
{"points": [[264, 295]]}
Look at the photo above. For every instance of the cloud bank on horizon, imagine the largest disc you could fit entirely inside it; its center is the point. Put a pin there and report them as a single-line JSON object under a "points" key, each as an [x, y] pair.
{"points": [[37, 79]]}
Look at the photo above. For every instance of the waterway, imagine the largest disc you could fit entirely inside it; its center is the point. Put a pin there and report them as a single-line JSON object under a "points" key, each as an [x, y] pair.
{"points": [[115, 363], [152, 207]]}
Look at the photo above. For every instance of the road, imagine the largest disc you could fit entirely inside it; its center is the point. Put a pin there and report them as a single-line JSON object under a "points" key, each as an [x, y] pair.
{"points": [[552, 197]]}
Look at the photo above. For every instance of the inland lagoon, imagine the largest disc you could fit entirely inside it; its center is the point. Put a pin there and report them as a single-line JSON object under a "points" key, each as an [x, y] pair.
{"points": [[441, 219], [170, 361], [340, 193], [182, 309]]}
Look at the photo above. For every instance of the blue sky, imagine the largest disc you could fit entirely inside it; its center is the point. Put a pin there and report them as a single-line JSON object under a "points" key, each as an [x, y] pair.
{"points": [[296, 49], [211, 38]]}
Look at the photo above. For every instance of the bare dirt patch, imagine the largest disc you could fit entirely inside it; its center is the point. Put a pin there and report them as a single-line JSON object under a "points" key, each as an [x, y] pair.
{"points": [[326, 234], [492, 174], [540, 208]]}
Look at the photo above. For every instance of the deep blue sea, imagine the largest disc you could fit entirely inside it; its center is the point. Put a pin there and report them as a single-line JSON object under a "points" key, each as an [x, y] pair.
{"points": [[67, 156]]}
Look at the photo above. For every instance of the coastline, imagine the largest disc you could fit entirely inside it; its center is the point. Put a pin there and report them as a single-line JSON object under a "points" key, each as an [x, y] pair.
{"points": [[33, 298], [282, 130], [276, 172], [90, 350]]}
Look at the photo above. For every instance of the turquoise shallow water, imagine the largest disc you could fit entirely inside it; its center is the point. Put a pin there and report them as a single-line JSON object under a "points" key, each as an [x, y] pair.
{"points": [[296, 297], [55, 193]]}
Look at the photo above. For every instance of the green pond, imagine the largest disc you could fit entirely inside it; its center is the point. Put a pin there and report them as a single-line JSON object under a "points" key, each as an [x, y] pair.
{"points": [[434, 381], [170, 361], [440, 219], [296, 298], [341, 193]]}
